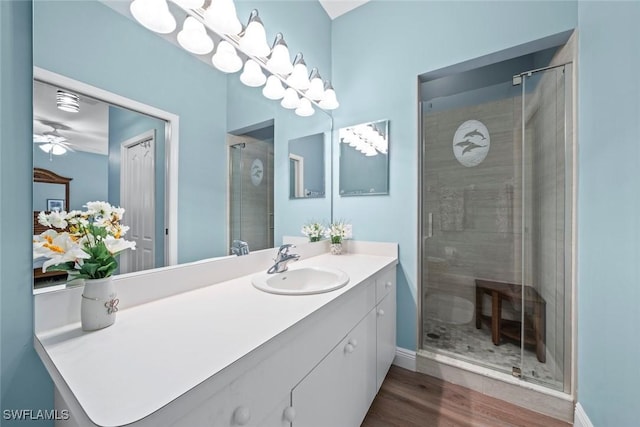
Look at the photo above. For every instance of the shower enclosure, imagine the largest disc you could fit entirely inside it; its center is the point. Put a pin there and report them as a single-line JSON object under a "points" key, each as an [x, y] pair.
{"points": [[251, 191], [496, 225]]}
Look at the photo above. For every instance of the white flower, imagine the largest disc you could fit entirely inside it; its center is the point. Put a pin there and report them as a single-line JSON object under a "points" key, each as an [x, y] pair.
{"points": [[60, 249], [118, 245], [100, 208], [53, 219]]}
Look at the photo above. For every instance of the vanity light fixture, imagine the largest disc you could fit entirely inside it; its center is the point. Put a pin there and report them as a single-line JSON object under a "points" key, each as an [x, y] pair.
{"points": [[279, 61], [67, 101], [222, 18], [273, 89], [290, 100], [252, 75], [194, 38], [304, 108], [153, 15], [299, 78], [287, 80], [254, 39], [316, 86], [226, 58]]}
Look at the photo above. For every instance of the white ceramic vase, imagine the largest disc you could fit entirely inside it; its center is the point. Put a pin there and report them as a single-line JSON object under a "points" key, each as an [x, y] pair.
{"points": [[99, 304], [336, 249]]}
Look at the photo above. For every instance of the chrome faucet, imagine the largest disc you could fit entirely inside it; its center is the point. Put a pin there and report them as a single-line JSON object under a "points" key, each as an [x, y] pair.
{"points": [[238, 247], [283, 257]]}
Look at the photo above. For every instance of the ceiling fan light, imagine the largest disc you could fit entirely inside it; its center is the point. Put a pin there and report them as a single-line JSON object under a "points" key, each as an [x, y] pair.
{"points": [[67, 101], [254, 39], [226, 59], [273, 89], [194, 38], [221, 16], [153, 15], [45, 147], [290, 100], [252, 75], [58, 150], [305, 109]]}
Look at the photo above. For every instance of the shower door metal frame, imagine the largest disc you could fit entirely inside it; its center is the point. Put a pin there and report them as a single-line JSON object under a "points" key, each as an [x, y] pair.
{"points": [[570, 141]]}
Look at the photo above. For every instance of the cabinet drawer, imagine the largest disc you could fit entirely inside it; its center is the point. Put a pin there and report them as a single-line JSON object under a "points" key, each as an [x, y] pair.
{"points": [[385, 282]]}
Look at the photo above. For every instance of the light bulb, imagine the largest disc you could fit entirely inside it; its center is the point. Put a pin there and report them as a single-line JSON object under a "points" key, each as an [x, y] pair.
{"points": [[58, 149], [290, 100], [194, 37], [299, 78], [280, 62], [316, 89], [252, 75], [153, 15], [305, 109], [330, 101], [254, 40], [222, 18], [273, 89], [226, 59]]}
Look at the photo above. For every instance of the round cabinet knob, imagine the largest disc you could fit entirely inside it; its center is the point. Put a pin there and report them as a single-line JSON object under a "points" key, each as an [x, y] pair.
{"points": [[349, 348], [353, 342], [388, 285], [241, 415], [289, 414], [380, 312]]}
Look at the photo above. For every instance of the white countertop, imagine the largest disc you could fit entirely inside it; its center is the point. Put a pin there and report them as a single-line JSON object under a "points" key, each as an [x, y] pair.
{"points": [[156, 352]]}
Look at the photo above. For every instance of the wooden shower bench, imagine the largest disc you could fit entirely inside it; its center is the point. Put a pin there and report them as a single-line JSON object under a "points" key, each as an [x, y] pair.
{"points": [[534, 323]]}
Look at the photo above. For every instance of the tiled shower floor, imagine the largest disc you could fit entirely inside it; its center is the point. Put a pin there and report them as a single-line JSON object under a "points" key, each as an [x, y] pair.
{"points": [[475, 345]]}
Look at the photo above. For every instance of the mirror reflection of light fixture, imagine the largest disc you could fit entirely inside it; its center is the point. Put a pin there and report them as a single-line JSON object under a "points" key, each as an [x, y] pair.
{"points": [[226, 58], [222, 18], [254, 39], [53, 148], [299, 78], [329, 101], [153, 15], [290, 100], [67, 101], [252, 75], [194, 38], [273, 89], [280, 62], [305, 109]]}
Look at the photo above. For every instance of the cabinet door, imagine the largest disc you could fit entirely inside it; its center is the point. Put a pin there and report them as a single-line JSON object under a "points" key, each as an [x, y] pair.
{"points": [[340, 389], [386, 336]]}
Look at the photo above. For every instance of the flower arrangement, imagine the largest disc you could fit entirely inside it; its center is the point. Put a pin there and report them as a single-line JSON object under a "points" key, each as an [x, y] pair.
{"points": [[338, 231], [314, 231], [89, 247]]}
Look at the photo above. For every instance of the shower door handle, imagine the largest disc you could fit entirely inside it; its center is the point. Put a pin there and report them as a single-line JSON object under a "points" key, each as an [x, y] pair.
{"points": [[429, 225]]}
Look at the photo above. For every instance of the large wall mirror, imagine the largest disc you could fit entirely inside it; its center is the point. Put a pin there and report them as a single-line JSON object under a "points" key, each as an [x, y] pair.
{"points": [[141, 87], [364, 159]]}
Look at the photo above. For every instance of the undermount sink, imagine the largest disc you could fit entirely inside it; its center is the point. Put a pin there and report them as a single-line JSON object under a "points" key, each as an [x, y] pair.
{"points": [[301, 281]]}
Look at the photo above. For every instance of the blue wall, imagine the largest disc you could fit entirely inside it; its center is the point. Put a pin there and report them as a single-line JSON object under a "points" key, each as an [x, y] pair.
{"points": [[377, 84], [88, 170], [24, 383], [608, 206], [126, 124]]}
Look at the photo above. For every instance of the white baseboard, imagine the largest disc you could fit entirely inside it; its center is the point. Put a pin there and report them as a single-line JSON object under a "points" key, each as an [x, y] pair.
{"points": [[405, 359], [580, 418]]}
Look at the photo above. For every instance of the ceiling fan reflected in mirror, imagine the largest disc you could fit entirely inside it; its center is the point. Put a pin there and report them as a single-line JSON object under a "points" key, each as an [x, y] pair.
{"points": [[52, 142]]}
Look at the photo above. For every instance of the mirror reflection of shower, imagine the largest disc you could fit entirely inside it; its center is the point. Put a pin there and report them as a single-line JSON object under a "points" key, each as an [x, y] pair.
{"points": [[251, 214]]}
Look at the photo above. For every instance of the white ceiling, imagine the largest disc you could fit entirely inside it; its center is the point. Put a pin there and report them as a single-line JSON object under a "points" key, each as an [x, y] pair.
{"points": [[336, 8]]}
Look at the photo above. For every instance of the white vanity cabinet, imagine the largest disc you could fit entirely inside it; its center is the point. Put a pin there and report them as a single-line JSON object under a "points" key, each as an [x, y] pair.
{"points": [[324, 369]]}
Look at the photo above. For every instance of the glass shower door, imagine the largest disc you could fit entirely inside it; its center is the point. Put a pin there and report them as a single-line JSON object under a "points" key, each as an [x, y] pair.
{"points": [[546, 226]]}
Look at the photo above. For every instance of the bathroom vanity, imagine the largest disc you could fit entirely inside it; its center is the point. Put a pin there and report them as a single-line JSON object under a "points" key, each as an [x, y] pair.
{"points": [[220, 352]]}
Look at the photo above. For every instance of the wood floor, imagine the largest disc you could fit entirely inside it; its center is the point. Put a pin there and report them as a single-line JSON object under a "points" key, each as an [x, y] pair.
{"points": [[409, 399]]}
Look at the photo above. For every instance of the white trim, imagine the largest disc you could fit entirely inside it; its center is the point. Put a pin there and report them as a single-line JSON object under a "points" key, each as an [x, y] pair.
{"points": [[299, 173], [172, 132], [580, 418], [405, 359]]}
